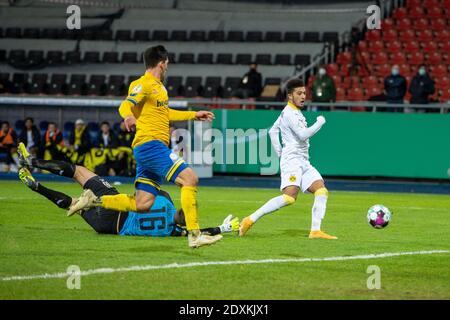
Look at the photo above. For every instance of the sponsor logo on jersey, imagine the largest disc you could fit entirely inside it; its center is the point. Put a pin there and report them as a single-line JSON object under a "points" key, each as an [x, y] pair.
{"points": [[164, 103], [292, 178]]}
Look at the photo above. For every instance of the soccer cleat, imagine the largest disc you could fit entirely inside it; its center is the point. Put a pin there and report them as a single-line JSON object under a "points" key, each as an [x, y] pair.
{"points": [[197, 239], [320, 235], [26, 177], [246, 224], [25, 157], [229, 224], [87, 200]]}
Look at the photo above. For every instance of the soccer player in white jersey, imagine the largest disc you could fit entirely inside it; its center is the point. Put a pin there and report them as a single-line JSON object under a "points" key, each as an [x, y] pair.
{"points": [[296, 170]]}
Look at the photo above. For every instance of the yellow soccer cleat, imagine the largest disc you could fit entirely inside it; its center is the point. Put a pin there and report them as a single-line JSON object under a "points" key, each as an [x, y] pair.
{"points": [[24, 156], [196, 239], [26, 177], [246, 224], [320, 235], [87, 200]]}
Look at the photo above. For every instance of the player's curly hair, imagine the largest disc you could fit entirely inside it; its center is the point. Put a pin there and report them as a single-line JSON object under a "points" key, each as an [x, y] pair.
{"points": [[154, 55], [291, 84]]}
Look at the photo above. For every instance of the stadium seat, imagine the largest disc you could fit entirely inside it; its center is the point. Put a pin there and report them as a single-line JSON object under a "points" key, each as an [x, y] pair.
{"points": [[54, 57], [51, 33], [16, 57], [373, 35], [416, 12], [393, 46], [211, 88], [129, 57], [231, 84], [187, 58], [235, 36], [2, 55], [439, 71], [160, 35], [415, 58], [389, 35], [205, 58], [172, 57], [4, 82], [197, 35], [442, 36], [387, 24], [72, 57], [173, 86], [179, 35], [76, 85], [420, 24], [292, 36], [192, 87], [302, 59], [68, 128], [311, 36], [273, 36], [404, 69], [434, 12], [445, 95], [264, 59], [93, 130], [35, 57], [404, 24], [424, 35], [86, 33], [19, 125], [254, 36], [370, 81], [282, 59], [331, 37], [445, 48], [400, 13], [332, 69], [217, 36], [272, 81], [340, 94], [372, 92], [413, 3], [141, 35], [31, 33], [110, 57], [13, 33], [37, 84], [123, 35], [69, 34], [383, 70], [429, 47], [243, 58], [57, 84], [92, 57], [380, 57], [438, 24], [104, 35], [43, 125], [344, 57], [407, 35], [115, 86], [376, 46], [224, 58], [96, 85], [18, 82], [434, 58], [336, 79], [397, 58], [411, 46]]}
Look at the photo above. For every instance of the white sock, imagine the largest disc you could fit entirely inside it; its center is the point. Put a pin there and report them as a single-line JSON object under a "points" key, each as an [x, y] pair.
{"points": [[272, 205], [318, 211]]}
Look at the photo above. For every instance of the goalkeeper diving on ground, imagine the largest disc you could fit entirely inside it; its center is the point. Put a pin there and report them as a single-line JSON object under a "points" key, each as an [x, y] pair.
{"points": [[162, 220]]}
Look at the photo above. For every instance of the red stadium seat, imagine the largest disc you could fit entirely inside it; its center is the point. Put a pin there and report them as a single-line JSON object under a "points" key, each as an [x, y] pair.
{"points": [[442, 82], [445, 4], [439, 71], [340, 94], [363, 57], [424, 35], [407, 35], [336, 79], [404, 24], [376, 46], [412, 46], [387, 24], [344, 58], [413, 3], [434, 58], [429, 47], [362, 45], [404, 69], [400, 13], [344, 69], [389, 35], [393, 46], [373, 91], [380, 58], [445, 95], [373, 35], [434, 12], [415, 58], [416, 12], [442, 35], [332, 69], [438, 24], [445, 48], [397, 58], [355, 94], [346, 82], [383, 70], [420, 24], [446, 58]]}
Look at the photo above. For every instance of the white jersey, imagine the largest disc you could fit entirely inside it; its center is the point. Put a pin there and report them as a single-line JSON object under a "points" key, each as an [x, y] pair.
{"points": [[294, 151]]}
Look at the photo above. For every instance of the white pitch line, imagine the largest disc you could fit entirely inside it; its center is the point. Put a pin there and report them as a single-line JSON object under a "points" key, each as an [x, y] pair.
{"points": [[214, 263]]}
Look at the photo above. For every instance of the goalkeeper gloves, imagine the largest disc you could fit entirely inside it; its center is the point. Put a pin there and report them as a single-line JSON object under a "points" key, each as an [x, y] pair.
{"points": [[230, 224]]}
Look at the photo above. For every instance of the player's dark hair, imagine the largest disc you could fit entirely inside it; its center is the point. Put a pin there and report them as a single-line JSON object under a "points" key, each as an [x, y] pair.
{"points": [[154, 55], [292, 84]]}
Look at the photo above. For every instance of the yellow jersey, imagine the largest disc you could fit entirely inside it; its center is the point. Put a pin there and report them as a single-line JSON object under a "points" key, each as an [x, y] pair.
{"points": [[148, 102]]}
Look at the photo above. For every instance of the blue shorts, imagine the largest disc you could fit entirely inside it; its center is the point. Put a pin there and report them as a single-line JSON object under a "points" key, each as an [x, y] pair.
{"points": [[155, 162]]}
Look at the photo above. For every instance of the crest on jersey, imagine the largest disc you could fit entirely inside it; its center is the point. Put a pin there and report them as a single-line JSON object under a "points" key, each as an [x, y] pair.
{"points": [[292, 178], [136, 89]]}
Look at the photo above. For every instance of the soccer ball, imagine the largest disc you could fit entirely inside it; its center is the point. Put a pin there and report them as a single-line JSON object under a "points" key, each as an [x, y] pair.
{"points": [[379, 216]]}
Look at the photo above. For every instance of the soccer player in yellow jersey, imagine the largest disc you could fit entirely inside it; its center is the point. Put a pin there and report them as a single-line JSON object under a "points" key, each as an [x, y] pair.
{"points": [[147, 109]]}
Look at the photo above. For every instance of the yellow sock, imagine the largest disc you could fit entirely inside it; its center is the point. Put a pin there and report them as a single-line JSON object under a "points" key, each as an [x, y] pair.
{"points": [[119, 202], [189, 206]]}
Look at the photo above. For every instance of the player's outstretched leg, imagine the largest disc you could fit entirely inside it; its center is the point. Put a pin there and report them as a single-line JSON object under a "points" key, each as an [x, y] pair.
{"points": [[270, 206], [60, 199], [318, 212]]}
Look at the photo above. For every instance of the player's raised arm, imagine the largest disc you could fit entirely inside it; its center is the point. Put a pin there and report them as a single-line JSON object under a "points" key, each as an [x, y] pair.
{"points": [[305, 133], [274, 136], [177, 115]]}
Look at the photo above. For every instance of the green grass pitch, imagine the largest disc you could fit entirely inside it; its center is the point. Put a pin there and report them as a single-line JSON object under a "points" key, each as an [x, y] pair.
{"points": [[37, 238]]}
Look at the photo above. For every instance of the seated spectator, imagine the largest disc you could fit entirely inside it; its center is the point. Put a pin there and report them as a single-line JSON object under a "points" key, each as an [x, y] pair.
{"points": [[8, 147], [31, 137], [395, 88], [106, 138], [79, 139], [125, 137], [323, 88], [421, 87], [251, 84], [53, 142]]}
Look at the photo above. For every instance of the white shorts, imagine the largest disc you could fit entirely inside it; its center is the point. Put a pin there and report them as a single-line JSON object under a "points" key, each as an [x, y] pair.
{"points": [[298, 174]]}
